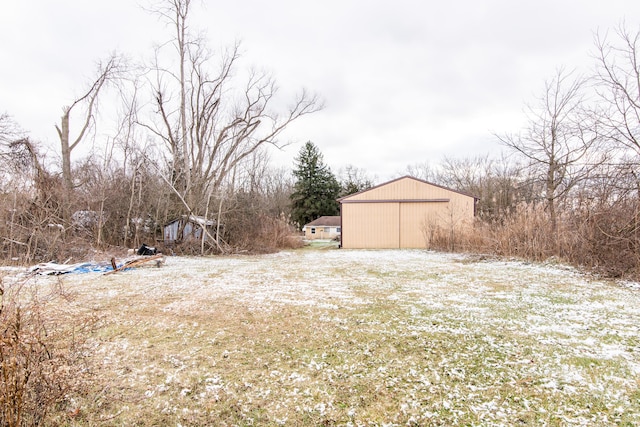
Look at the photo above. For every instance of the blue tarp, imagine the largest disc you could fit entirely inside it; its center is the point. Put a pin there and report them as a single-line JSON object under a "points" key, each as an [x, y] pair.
{"points": [[52, 268]]}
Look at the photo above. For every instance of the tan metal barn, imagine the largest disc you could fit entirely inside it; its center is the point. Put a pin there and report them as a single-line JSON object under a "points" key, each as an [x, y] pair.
{"points": [[400, 213]]}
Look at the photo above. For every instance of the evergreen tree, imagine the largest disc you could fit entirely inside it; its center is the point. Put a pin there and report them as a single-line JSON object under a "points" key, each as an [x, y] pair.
{"points": [[316, 188]]}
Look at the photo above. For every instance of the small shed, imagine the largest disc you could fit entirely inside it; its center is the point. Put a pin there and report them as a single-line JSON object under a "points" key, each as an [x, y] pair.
{"points": [[325, 227], [187, 227], [401, 213]]}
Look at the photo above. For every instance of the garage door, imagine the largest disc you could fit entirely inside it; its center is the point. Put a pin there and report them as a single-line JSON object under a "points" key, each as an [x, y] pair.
{"points": [[389, 225], [370, 225]]}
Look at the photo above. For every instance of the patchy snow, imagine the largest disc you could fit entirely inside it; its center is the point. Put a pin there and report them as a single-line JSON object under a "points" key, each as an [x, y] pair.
{"points": [[509, 324]]}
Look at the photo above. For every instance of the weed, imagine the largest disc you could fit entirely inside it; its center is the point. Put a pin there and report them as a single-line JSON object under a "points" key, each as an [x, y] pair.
{"points": [[43, 353], [361, 338]]}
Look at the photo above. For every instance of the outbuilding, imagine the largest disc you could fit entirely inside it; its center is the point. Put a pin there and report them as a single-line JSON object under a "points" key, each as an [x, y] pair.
{"points": [[325, 227], [402, 213], [187, 227]]}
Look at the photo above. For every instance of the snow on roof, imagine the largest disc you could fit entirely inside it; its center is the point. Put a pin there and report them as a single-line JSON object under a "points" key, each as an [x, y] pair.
{"points": [[200, 220]]}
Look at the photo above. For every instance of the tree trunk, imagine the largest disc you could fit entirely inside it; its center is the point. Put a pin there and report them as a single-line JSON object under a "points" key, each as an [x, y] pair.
{"points": [[67, 181], [66, 151], [100, 222], [550, 196]]}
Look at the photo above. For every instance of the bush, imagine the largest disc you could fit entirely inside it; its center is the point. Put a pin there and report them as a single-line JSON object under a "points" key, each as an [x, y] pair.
{"points": [[42, 353], [262, 234], [608, 239], [604, 238]]}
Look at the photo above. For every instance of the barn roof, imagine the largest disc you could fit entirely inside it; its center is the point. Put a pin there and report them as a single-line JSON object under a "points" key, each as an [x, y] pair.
{"points": [[326, 221], [401, 178]]}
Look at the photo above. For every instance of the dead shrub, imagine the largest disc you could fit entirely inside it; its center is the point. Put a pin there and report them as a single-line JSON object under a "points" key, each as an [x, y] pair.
{"points": [[607, 239], [278, 233], [603, 238], [263, 234], [450, 237], [439, 238], [43, 354], [525, 233]]}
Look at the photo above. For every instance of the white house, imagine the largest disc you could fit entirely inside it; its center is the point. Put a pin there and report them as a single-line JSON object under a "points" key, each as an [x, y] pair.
{"points": [[325, 227]]}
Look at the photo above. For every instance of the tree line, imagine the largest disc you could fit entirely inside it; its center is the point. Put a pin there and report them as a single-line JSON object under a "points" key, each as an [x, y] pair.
{"points": [[192, 139], [566, 185]]}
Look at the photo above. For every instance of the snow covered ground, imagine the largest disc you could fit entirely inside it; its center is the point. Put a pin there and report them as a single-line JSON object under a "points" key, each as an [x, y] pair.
{"points": [[356, 337]]}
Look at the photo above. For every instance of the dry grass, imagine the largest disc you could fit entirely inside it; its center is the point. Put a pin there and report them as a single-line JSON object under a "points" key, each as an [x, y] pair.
{"points": [[43, 352], [360, 338], [604, 239]]}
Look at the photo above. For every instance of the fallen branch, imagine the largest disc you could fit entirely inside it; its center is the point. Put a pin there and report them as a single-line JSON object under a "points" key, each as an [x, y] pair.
{"points": [[136, 262], [15, 241]]}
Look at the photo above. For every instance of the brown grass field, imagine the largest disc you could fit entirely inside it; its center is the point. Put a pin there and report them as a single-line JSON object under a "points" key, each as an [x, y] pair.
{"points": [[353, 338]]}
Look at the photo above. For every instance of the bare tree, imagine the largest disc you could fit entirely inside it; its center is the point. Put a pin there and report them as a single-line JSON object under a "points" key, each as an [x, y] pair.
{"points": [[353, 180], [106, 71], [208, 121], [424, 171], [498, 183], [559, 139], [618, 75], [10, 135], [8, 129]]}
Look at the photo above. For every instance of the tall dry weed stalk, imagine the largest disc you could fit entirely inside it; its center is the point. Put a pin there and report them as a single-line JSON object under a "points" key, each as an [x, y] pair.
{"points": [[526, 233], [607, 238], [604, 238], [269, 235], [42, 352]]}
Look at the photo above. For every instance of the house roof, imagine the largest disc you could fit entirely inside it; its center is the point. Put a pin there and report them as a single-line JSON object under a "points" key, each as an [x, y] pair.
{"points": [[401, 178], [326, 221]]}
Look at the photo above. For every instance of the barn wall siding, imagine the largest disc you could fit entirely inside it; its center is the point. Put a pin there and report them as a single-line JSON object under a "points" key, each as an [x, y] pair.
{"points": [[399, 214], [370, 226], [414, 219]]}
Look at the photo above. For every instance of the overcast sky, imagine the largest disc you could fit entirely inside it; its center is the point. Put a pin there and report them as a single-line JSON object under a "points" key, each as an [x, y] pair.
{"points": [[403, 81]]}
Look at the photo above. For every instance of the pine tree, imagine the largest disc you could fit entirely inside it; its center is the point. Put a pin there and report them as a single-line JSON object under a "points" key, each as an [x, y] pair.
{"points": [[316, 188]]}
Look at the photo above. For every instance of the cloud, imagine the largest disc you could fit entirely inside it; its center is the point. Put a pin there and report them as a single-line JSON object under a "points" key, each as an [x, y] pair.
{"points": [[403, 81]]}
